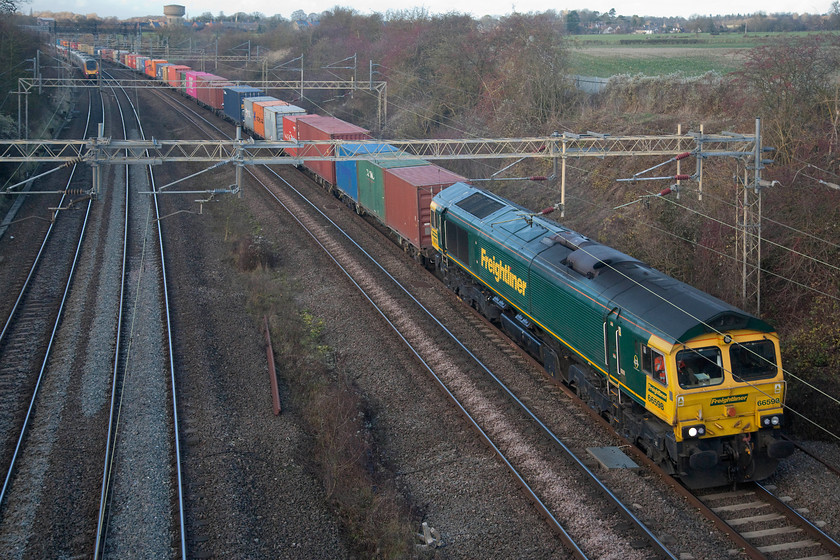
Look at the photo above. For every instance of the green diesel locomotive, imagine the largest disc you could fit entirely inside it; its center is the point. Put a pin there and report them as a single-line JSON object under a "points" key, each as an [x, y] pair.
{"points": [[693, 381]]}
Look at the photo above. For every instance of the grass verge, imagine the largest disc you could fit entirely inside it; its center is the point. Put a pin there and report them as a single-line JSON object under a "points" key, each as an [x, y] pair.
{"points": [[358, 487]]}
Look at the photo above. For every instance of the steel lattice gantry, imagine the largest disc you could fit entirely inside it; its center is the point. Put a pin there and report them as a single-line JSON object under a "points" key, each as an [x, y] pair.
{"points": [[255, 152], [27, 84], [558, 148], [377, 88]]}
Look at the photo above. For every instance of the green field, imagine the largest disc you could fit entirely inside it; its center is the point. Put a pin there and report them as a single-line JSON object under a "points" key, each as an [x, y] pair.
{"points": [[627, 62], [698, 40], [692, 54]]}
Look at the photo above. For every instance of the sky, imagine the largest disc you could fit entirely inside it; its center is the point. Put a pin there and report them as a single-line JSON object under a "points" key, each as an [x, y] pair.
{"points": [[131, 8]]}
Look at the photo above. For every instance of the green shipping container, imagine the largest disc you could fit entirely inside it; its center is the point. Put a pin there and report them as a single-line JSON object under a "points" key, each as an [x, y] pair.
{"points": [[371, 180], [182, 80]]}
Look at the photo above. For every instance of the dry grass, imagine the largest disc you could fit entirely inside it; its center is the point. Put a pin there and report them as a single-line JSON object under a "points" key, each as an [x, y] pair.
{"points": [[343, 454]]}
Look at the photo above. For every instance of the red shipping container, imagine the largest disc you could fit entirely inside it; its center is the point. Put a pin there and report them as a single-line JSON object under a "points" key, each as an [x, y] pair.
{"points": [[201, 85], [173, 75], [317, 127], [408, 198], [210, 90], [290, 130], [259, 114]]}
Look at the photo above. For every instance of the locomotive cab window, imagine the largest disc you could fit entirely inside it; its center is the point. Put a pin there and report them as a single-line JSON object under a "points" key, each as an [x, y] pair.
{"points": [[699, 367], [753, 360], [653, 364]]}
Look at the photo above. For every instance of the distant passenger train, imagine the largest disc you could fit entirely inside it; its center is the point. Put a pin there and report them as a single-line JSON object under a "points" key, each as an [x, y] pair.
{"points": [[87, 64]]}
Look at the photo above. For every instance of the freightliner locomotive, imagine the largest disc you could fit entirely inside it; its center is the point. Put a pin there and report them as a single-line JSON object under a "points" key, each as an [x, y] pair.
{"points": [[693, 381]]}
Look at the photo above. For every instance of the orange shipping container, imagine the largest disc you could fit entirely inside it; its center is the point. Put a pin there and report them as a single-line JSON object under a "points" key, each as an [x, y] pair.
{"points": [[172, 74], [259, 114], [151, 67]]}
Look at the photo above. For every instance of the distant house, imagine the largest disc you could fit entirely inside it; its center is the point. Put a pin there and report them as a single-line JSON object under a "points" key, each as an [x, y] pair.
{"points": [[303, 24], [243, 25]]}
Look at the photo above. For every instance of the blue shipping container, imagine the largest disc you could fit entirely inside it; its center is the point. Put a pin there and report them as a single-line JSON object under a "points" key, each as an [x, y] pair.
{"points": [[159, 70], [345, 171], [234, 96]]}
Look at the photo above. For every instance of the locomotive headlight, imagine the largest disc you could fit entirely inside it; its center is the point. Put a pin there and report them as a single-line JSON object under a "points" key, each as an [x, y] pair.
{"points": [[691, 432]]}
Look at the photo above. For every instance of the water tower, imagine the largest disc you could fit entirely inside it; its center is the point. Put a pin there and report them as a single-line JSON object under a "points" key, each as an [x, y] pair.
{"points": [[174, 14]]}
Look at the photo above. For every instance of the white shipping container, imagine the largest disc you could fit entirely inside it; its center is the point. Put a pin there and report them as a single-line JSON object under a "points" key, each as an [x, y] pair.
{"points": [[274, 120], [248, 110]]}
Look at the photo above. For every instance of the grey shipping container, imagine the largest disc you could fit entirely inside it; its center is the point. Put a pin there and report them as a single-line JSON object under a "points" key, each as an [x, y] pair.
{"points": [[274, 119], [248, 110]]}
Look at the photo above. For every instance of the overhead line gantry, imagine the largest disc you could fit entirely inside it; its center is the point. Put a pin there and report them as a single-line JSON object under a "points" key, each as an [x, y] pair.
{"points": [[557, 147]]}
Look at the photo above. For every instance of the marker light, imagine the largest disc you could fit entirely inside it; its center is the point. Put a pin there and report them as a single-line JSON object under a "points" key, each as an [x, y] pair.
{"points": [[771, 420]]}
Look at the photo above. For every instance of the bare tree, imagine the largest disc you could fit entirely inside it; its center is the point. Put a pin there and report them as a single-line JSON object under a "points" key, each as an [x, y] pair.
{"points": [[791, 80], [10, 6]]}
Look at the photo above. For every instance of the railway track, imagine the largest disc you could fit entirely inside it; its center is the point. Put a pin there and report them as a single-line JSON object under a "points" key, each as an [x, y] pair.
{"points": [[29, 331], [772, 529], [51, 486], [141, 465]]}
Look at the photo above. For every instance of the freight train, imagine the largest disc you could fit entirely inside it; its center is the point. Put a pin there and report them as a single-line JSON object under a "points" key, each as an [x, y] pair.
{"points": [[694, 382]]}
